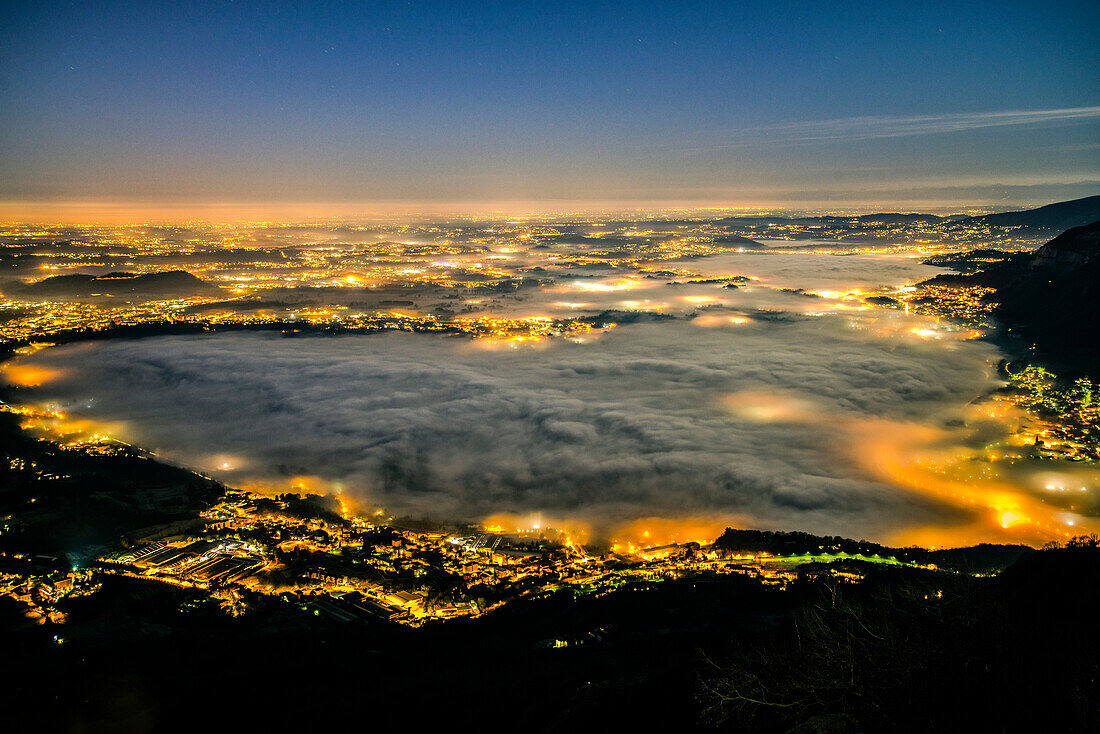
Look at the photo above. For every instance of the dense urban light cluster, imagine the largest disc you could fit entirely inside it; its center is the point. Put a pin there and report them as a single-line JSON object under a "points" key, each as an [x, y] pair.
{"points": [[461, 272]]}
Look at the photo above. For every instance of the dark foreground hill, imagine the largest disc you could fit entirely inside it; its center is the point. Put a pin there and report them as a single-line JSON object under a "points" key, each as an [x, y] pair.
{"points": [[1051, 296], [904, 650], [169, 283]]}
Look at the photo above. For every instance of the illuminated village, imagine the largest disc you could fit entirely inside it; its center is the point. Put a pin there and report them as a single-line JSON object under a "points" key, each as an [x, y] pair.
{"points": [[346, 568]]}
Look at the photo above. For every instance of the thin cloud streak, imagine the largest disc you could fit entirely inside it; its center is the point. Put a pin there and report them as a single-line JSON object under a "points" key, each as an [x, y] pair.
{"points": [[897, 126]]}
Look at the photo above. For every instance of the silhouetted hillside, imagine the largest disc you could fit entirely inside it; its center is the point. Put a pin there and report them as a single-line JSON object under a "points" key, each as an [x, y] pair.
{"points": [[1050, 218], [172, 282], [1060, 216], [904, 650], [738, 241], [974, 559], [1050, 296]]}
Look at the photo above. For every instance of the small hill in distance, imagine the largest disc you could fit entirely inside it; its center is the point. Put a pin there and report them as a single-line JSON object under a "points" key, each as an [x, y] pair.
{"points": [[169, 283], [738, 242]]}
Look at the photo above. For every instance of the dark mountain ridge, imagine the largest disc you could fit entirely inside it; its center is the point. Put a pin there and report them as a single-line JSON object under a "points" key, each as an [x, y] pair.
{"points": [[1059, 216], [1050, 296]]}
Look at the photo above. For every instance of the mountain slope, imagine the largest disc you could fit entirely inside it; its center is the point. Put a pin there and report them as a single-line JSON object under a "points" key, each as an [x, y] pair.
{"points": [[1060, 216], [1050, 296]]}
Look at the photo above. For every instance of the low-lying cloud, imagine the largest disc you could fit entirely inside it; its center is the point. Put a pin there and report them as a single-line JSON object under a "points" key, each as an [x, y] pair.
{"points": [[644, 421]]}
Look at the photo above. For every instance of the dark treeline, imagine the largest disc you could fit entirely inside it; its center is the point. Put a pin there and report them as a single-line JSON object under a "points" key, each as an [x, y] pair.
{"points": [[975, 559]]}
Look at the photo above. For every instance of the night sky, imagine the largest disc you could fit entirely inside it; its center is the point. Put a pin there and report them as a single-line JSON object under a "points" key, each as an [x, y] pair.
{"points": [[793, 104]]}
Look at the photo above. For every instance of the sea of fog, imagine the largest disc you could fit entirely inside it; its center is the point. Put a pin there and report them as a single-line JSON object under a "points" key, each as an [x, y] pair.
{"points": [[765, 409]]}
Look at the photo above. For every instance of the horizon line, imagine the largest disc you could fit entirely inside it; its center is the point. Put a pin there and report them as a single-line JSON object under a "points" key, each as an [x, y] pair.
{"points": [[116, 211]]}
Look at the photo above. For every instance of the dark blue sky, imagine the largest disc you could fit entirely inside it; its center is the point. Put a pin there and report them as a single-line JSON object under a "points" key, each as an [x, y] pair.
{"points": [[597, 102]]}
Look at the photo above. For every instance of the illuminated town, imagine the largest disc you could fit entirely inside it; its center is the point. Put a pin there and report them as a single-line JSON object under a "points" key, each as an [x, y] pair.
{"points": [[347, 568]]}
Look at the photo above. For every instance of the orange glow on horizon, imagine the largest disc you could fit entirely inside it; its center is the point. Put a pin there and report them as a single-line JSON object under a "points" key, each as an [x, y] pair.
{"points": [[123, 211]]}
